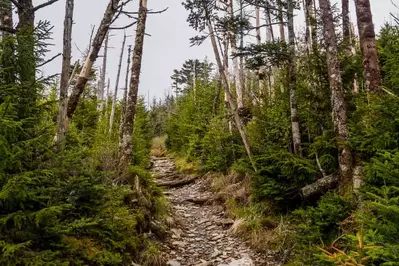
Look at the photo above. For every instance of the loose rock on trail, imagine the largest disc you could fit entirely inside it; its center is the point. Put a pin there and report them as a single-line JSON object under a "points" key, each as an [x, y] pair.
{"points": [[200, 236]]}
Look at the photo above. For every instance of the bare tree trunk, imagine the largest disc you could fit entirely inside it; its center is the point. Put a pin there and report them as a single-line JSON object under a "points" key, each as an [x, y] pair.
{"points": [[236, 67], [229, 96], [66, 67], [101, 89], [242, 75], [111, 118], [296, 134], [107, 96], [281, 20], [371, 64], [258, 41], [269, 29], [125, 91], [126, 144], [339, 110], [92, 56], [311, 32]]}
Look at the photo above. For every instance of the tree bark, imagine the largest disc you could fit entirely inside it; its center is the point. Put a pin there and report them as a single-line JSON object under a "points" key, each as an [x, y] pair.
{"points": [[281, 20], [296, 134], [126, 144], [269, 29], [111, 117], [228, 94], [339, 109], [311, 23], [319, 187], [92, 56], [125, 91], [236, 67], [101, 89], [7, 61], [66, 66], [5, 17], [258, 42], [371, 64]]}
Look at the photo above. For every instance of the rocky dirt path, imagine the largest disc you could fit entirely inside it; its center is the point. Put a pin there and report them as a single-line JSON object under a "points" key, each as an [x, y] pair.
{"points": [[200, 236]]}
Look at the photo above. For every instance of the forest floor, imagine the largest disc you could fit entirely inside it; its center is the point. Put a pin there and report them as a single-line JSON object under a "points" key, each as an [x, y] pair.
{"points": [[199, 232]]}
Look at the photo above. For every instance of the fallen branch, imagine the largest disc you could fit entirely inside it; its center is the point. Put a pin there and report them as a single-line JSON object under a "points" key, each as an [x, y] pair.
{"points": [[198, 200], [178, 183], [320, 186]]}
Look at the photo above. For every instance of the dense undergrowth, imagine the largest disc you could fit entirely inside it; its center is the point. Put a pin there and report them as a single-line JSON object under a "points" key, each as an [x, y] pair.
{"points": [[362, 228], [68, 206]]}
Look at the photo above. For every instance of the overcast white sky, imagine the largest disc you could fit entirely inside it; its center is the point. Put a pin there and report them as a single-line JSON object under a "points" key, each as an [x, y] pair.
{"points": [[166, 49]]}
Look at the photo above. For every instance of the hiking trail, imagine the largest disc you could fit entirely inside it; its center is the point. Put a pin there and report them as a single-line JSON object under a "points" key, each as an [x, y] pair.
{"points": [[200, 234]]}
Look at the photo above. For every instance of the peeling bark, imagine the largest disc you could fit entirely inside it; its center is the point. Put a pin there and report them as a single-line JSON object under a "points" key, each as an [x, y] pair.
{"points": [[339, 109], [258, 42], [126, 145], [371, 64]]}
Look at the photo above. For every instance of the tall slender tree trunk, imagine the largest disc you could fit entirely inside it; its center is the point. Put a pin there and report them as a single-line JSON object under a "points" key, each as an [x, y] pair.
{"points": [[236, 67], [258, 41], [101, 89], [269, 29], [296, 134], [65, 75], [226, 84], [311, 23], [111, 117], [91, 57], [26, 42], [8, 55], [125, 91], [346, 24], [371, 64], [242, 74], [339, 109], [126, 149], [281, 19]]}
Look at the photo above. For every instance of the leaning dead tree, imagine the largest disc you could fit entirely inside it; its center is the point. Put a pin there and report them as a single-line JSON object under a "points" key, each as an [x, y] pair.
{"points": [[65, 76], [110, 12]]}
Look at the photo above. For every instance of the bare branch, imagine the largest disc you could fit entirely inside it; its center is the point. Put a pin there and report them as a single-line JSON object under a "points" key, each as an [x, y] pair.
{"points": [[123, 27], [48, 61], [50, 2]]}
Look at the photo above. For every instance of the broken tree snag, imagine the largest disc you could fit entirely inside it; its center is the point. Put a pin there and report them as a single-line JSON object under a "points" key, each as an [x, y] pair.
{"points": [[319, 187], [65, 76], [178, 183], [98, 40]]}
